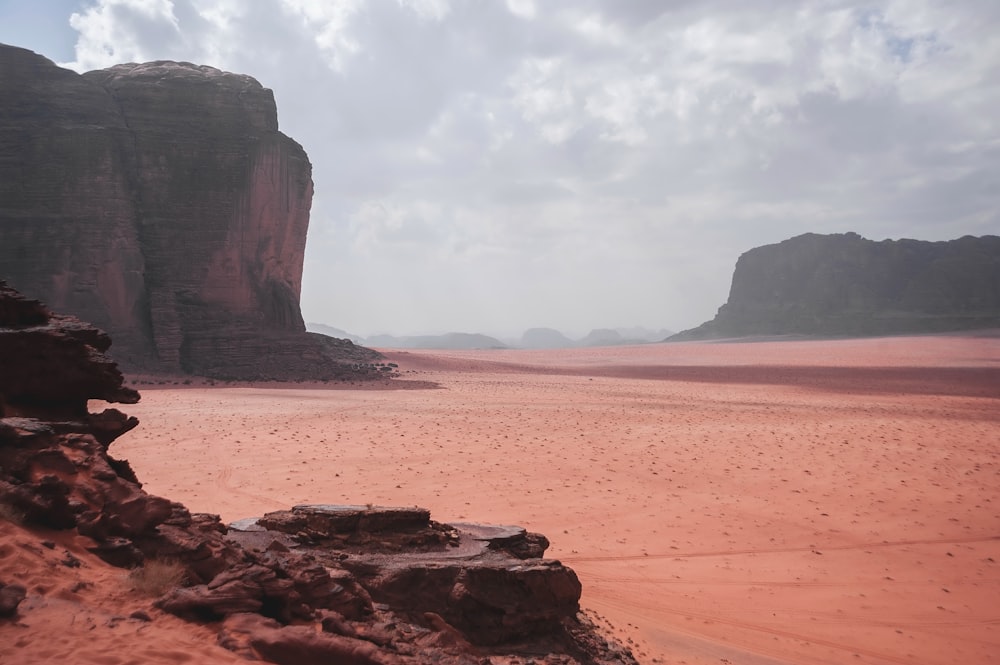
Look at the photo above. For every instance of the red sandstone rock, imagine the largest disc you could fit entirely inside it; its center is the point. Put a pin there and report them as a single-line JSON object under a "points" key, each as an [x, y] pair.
{"points": [[843, 284], [160, 202], [11, 596], [255, 636]]}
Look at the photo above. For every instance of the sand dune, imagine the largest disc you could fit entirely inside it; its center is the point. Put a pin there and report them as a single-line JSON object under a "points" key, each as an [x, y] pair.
{"points": [[770, 502]]}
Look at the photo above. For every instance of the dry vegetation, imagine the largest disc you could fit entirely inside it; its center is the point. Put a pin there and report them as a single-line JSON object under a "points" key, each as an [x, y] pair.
{"points": [[156, 577]]}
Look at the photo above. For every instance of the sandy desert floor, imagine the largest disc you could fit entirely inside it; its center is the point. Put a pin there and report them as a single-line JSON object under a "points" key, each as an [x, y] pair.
{"points": [[770, 502]]}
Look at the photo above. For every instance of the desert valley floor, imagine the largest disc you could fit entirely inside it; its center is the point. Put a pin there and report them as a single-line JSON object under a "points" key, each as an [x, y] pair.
{"points": [[768, 502]]}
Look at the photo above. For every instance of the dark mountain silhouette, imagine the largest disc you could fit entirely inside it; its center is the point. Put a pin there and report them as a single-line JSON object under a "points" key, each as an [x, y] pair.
{"points": [[843, 285]]}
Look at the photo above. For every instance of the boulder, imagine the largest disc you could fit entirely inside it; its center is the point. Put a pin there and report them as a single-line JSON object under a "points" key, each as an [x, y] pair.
{"points": [[11, 596]]}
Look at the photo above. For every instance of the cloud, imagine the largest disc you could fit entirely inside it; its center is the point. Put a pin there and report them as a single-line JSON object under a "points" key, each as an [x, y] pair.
{"points": [[495, 166]]}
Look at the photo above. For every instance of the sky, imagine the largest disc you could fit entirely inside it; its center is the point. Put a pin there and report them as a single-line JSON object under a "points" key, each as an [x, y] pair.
{"points": [[491, 166]]}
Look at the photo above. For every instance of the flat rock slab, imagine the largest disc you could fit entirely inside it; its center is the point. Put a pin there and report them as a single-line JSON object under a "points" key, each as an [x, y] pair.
{"points": [[330, 521]]}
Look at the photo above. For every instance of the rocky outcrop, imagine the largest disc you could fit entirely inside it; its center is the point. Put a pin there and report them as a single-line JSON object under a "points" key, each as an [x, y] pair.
{"points": [[160, 202], [314, 584], [846, 285], [489, 582]]}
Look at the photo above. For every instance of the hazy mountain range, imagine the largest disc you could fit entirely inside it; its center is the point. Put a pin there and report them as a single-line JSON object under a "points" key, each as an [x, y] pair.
{"points": [[533, 338]]}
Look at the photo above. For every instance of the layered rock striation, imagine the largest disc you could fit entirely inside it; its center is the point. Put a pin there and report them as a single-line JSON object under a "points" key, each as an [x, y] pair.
{"points": [[314, 584], [843, 285], [161, 202]]}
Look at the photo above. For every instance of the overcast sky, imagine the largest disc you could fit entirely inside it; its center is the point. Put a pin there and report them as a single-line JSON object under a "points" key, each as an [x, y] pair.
{"points": [[488, 166]]}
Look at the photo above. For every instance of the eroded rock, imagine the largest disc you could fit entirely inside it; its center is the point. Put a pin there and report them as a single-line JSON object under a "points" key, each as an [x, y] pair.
{"points": [[487, 581]]}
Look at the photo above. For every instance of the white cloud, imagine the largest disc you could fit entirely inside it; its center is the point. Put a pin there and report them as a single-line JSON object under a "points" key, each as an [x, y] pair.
{"points": [[530, 163], [526, 9], [328, 22], [434, 10], [115, 31], [595, 28]]}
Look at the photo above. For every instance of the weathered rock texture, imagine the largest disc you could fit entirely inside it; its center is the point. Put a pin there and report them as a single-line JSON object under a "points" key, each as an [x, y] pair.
{"points": [[846, 285], [160, 202], [315, 584]]}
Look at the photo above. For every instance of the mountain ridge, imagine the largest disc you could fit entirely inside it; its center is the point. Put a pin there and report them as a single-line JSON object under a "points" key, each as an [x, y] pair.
{"points": [[847, 285]]}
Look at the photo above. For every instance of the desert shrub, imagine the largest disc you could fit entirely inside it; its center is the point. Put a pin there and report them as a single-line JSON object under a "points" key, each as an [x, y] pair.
{"points": [[156, 577]]}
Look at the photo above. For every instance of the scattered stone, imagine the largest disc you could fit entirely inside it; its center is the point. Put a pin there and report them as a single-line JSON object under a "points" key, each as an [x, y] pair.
{"points": [[11, 596], [70, 561]]}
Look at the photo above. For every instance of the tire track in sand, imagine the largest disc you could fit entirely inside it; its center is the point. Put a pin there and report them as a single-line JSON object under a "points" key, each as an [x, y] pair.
{"points": [[778, 550]]}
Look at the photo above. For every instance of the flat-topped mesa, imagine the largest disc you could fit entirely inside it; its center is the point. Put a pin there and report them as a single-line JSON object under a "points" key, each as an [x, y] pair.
{"points": [[224, 205], [844, 285], [160, 202]]}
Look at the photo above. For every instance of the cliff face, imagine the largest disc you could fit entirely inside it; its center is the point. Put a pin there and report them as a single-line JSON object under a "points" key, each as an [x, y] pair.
{"points": [[68, 214], [847, 285], [161, 202]]}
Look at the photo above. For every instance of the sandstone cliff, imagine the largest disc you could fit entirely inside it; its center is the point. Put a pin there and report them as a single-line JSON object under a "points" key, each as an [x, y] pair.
{"points": [[314, 584], [846, 285], [161, 202]]}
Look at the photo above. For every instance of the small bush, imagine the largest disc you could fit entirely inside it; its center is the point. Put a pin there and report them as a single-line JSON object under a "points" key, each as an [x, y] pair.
{"points": [[156, 577]]}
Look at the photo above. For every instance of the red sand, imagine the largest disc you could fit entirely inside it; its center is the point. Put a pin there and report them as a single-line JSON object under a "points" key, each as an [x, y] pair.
{"points": [[77, 610], [771, 502]]}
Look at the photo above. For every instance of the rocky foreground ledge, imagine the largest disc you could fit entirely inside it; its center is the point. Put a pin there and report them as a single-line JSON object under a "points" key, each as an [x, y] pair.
{"points": [[313, 584]]}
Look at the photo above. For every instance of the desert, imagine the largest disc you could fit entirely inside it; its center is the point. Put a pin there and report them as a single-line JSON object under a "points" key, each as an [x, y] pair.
{"points": [[443, 465], [747, 502]]}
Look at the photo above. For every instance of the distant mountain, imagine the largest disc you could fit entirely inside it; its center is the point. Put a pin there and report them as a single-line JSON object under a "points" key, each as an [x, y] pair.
{"points": [[446, 341], [545, 338], [622, 336], [638, 334], [602, 337], [330, 331], [534, 338], [843, 284]]}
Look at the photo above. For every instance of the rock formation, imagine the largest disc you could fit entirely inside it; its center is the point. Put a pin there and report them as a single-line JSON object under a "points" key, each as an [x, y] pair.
{"points": [[160, 202], [314, 584], [844, 284]]}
